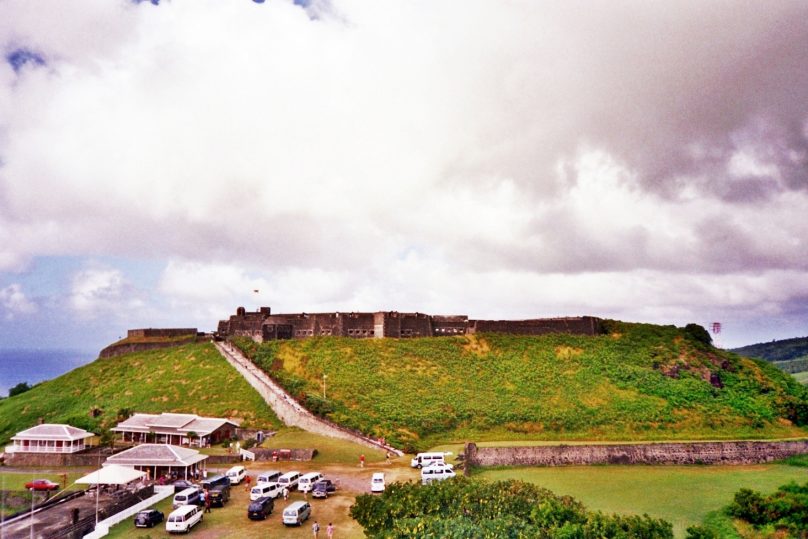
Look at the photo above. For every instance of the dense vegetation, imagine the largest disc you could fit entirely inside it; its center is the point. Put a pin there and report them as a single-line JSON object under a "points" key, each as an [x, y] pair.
{"points": [[462, 508], [785, 509], [637, 382], [783, 350], [192, 378]]}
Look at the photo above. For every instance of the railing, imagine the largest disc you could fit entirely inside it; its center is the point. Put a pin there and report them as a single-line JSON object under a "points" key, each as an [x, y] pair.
{"points": [[42, 449]]}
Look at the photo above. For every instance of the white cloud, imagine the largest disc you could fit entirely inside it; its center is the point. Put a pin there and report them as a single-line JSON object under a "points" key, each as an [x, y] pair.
{"points": [[390, 154], [14, 302], [100, 291]]}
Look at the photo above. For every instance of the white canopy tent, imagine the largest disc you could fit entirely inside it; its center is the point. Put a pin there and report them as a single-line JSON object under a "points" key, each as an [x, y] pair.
{"points": [[111, 475]]}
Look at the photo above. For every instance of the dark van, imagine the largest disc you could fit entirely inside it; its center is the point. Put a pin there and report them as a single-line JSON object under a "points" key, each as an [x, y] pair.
{"points": [[214, 481], [260, 508], [219, 495]]}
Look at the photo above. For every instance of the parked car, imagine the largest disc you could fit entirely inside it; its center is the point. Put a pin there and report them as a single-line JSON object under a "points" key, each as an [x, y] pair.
{"points": [[306, 481], [296, 513], [436, 472], [322, 488], [184, 518], [189, 496], [422, 460], [236, 474], [42, 484], [266, 490], [219, 495], [377, 482], [181, 485], [148, 518], [259, 509]]}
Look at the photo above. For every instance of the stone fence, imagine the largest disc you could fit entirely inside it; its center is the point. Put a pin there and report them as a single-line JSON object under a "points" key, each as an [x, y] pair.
{"points": [[647, 453]]}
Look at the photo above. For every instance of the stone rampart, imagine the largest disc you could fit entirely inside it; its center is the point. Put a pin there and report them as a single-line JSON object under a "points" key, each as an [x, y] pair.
{"points": [[736, 452], [120, 349], [161, 332], [56, 460]]}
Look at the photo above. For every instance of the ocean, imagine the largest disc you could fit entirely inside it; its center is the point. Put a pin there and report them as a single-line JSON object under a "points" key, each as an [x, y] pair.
{"points": [[34, 365]]}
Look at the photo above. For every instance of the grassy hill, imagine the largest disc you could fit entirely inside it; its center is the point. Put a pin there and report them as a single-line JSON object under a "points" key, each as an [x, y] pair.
{"points": [[784, 350], [637, 382], [790, 355], [191, 378]]}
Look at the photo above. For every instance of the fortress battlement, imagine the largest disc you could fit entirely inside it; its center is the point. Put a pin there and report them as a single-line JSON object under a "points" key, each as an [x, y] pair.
{"points": [[262, 325]]}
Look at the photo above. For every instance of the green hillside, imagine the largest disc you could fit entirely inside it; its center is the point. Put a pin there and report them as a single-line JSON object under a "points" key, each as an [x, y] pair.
{"points": [[783, 350], [193, 378], [637, 382]]}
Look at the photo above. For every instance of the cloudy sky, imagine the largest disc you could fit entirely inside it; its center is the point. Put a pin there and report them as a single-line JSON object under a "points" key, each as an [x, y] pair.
{"points": [[646, 161]]}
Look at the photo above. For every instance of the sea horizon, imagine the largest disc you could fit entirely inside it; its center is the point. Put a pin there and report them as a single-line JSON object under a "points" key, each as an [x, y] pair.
{"points": [[35, 365]]}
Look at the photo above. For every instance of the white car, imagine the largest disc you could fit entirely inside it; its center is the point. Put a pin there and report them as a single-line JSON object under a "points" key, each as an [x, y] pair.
{"points": [[377, 482], [437, 472]]}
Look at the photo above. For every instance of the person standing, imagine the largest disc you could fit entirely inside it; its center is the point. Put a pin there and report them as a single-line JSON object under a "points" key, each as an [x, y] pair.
{"points": [[362, 460], [207, 501], [329, 531], [315, 529]]}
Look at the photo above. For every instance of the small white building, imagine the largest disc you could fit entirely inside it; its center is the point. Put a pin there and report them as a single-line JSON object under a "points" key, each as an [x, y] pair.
{"points": [[50, 438]]}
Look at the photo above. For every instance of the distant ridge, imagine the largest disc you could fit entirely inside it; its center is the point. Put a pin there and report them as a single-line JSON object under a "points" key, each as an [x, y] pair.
{"points": [[783, 350]]}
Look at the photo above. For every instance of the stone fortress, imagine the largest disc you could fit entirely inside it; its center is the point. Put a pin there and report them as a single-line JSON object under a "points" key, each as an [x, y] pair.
{"points": [[262, 325]]}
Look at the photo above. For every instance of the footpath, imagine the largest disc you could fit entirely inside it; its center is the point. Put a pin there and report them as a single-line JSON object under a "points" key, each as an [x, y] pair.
{"points": [[287, 408]]}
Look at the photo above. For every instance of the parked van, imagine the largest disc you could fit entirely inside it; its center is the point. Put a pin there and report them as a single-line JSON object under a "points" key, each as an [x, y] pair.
{"points": [[296, 513], [306, 482], [189, 496], [265, 490], [215, 481], [377, 482], [183, 518], [236, 474], [268, 477], [422, 460], [289, 480], [259, 509], [436, 472]]}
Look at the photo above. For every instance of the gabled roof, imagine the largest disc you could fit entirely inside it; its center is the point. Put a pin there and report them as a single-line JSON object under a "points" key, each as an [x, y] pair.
{"points": [[53, 431], [169, 423], [156, 455]]}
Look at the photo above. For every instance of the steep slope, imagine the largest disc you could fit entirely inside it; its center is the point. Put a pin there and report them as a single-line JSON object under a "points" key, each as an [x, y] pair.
{"points": [[638, 382], [192, 378]]}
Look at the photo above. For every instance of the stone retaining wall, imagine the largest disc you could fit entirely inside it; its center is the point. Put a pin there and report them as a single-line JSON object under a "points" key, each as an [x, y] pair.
{"points": [[650, 453], [57, 460]]}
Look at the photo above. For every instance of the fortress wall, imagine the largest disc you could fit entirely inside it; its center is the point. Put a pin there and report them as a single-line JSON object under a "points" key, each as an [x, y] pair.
{"points": [[654, 453], [415, 325], [161, 332]]}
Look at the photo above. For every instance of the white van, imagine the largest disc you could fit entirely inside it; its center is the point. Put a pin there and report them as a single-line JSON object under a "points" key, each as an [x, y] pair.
{"points": [[377, 482], [265, 490], [295, 513], [189, 496], [236, 474], [422, 460], [436, 472], [289, 480], [306, 482], [183, 518], [268, 477]]}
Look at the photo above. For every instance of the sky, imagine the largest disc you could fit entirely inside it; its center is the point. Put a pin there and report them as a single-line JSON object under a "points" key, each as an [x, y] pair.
{"points": [[162, 163]]}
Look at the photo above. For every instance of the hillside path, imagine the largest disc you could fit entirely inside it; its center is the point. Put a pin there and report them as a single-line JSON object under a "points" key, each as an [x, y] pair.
{"points": [[287, 408]]}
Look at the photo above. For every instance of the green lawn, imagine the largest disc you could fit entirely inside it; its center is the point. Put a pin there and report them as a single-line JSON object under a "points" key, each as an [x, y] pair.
{"points": [[682, 495], [802, 377], [193, 379], [329, 450]]}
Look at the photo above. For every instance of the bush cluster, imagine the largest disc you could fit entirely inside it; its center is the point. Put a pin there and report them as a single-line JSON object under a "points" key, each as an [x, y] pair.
{"points": [[785, 509], [463, 508]]}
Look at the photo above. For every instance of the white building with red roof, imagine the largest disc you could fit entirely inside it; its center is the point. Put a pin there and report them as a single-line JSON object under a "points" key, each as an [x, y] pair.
{"points": [[50, 438]]}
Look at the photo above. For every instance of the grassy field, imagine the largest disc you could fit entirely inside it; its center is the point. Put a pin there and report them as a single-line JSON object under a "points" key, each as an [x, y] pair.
{"points": [[801, 377], [639, 382], [192, 378], [682, 495]]}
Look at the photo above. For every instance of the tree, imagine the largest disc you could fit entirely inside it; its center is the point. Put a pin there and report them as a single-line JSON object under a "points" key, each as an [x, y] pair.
{"points": [[22, 387], [697, 333]]}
